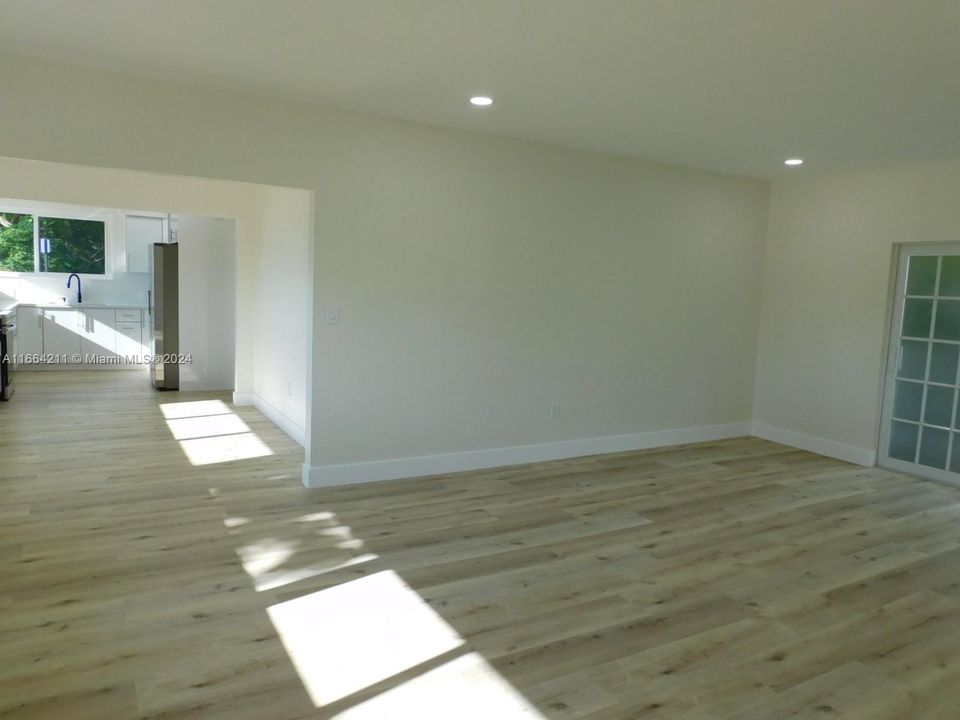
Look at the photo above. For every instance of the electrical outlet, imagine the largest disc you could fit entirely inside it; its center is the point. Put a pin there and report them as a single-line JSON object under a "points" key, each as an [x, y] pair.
{"points": [[554, 410]]}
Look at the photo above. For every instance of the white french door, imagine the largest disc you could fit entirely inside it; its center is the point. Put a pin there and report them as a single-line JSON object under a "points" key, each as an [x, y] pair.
{"points": [[920, 422]]}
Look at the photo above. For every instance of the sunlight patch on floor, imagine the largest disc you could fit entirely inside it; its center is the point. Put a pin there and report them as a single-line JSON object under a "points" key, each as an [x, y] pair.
{"points": [[466, 688], [194, 408], [264, 562], [213, 450], [189, 428], [272, 563], [348, 637], [209, 432], [279, 578], [262, 557], [316, 517]]}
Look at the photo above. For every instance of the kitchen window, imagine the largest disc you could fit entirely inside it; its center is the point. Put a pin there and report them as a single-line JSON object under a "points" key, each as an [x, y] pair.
{"points": [[17, 242], [45, 244]]}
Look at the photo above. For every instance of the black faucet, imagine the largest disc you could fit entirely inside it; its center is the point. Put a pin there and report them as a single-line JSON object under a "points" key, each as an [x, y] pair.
{"points": [[79, 294]]}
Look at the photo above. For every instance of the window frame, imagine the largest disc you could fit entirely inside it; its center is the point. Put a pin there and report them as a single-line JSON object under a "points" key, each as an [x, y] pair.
{"points": [[44, 210]]}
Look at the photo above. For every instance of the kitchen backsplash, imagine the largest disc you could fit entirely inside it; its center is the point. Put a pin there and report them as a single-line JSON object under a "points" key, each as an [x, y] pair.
{"points": [[122, 289]]}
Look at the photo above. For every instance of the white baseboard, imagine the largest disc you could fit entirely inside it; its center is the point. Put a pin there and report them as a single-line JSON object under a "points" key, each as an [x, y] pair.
{"points": [[199, 386], [243, 398], [274, 415], [363, 472], [850, 453]]}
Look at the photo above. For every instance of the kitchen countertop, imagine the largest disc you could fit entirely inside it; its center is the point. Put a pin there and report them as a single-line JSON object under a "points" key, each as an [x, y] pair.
{"points": [[81, 306]]}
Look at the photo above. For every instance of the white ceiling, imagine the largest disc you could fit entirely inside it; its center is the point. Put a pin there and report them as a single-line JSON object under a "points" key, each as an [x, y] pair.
{"points": [[730, 85]]}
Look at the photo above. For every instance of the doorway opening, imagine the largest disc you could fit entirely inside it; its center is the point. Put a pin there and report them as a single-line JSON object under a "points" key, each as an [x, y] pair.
{"points": [[245, 281]]}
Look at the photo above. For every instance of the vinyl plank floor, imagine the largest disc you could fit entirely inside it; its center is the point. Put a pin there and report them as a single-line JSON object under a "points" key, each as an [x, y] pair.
{"points": [[146, 576]]}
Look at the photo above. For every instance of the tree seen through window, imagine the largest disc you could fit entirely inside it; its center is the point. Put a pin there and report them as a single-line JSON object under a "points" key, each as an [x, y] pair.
{"points": [[72, 246], [45, 244], [16, 242]]}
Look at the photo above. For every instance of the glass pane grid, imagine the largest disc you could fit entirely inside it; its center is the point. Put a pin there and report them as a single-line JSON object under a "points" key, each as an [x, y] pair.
{"points": [[949, 277], [918, 318], [928, 382], [922, 274], [934, 447], [943, 364], [925, 416]]}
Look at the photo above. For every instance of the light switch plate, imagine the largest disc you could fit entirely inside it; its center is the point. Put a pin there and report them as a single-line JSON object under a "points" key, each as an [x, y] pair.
{"points": [[333, 315]]}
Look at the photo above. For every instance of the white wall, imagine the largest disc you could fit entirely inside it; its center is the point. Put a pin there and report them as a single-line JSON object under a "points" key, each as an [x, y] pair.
{"points": [[826, 297], [207, 272], [478, 279], [280, 304]]}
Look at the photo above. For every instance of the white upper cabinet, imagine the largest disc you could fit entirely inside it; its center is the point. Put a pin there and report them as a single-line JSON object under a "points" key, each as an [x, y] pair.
{"points": [[141, 232]]}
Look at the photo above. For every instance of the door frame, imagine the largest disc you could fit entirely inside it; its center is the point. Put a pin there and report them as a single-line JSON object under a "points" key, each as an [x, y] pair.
{"points": [[892, 342]]}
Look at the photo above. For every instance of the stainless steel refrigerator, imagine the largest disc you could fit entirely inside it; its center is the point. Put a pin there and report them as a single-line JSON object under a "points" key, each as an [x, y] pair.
{"points": [[163, 309]]}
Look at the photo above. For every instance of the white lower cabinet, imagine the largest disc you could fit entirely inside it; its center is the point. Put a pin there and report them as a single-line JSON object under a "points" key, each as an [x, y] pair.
{"points": [[98, 336], [129, 343], [29, 337], [61, 333], [88, 336]]}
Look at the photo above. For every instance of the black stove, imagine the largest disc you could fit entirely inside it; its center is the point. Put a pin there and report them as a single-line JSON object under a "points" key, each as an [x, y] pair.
{"points": [[8, 330]]}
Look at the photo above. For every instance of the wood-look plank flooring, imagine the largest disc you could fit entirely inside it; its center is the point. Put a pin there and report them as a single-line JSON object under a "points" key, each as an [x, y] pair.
{"points": [[735, 579]]}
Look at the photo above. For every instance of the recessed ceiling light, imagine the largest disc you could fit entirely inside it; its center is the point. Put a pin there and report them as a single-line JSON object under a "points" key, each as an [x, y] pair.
{"points": [[793, 161], [481, 100]]}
